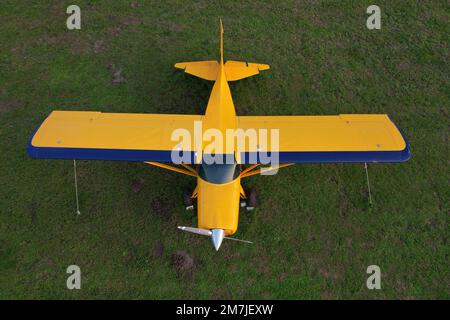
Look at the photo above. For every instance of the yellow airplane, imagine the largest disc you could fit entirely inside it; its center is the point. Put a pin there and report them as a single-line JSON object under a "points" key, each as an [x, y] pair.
{"points": [[156, 139]]}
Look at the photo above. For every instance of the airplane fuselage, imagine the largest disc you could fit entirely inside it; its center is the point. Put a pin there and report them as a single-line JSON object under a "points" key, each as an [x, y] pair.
{"points": [[218, 197]]}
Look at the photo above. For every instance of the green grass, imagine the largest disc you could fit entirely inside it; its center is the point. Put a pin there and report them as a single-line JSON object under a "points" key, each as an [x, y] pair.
{"points": [[314, 233]]}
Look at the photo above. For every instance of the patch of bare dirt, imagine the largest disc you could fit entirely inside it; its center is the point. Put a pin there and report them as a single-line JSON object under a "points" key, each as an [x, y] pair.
{"points": [[132, 21], [158, 249], [137, 185], [136, 242], [71, 41], [99, 46], [122, 24], [160, 206], [129, 256], [183, 264], [116, 74], [115, 31], [330, 274], [282, 277], [6, 106], [171, 26], [222, 293], [327, 294]]}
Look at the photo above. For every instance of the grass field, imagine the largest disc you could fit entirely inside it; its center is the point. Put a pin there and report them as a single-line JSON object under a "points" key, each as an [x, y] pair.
{"points": [[315, 233]]}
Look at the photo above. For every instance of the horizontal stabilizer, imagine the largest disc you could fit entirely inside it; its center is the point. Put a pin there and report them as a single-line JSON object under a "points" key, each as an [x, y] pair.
{"points": [[237, 70], [203, 69]]}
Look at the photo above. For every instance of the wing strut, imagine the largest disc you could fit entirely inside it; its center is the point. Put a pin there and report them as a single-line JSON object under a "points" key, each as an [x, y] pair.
{"points": [[190, 172], [247, 173]]}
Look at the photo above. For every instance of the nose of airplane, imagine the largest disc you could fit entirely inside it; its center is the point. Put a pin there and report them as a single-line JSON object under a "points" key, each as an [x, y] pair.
{"points": [[217, 237]]}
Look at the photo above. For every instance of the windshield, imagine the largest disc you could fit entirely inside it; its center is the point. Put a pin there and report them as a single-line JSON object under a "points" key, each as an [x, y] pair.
{"points": [[219, 173]]}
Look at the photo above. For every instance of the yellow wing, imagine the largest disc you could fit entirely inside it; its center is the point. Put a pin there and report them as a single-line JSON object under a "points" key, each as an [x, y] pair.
{"points": [[111, 136], [340, 138]]}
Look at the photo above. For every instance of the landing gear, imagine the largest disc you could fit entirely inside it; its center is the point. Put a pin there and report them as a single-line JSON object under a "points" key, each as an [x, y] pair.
{"points": [[251, 201], [188, 201]]}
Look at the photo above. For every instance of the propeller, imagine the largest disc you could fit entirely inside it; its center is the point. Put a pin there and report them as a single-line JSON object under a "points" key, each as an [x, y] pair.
{"points": [[217, 235]]}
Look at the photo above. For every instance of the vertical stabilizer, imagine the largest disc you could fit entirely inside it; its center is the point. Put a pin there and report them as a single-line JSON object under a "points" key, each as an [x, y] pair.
{"points": [[221, 41]]}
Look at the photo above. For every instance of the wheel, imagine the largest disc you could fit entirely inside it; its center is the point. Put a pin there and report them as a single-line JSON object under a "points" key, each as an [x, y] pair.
{"points": [[252, 201], [187, 200]]}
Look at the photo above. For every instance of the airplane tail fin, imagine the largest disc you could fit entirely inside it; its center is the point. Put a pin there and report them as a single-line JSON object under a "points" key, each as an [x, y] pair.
{"points": [[206, 70], [221, 41], [237, 70], [234, 70]]}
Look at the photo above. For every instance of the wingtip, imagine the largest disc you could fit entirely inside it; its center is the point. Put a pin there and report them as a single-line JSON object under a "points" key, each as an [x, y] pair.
{"points": [[180, 65], [406, 153]]}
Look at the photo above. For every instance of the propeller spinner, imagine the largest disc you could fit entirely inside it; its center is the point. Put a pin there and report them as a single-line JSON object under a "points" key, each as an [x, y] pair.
{"points": [[217, 235]]}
